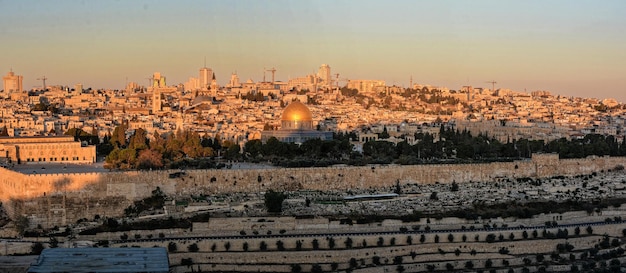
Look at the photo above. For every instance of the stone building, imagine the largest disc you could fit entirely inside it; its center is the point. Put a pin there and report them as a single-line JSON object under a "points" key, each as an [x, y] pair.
{"points": [[58, 149], [296, 126]]}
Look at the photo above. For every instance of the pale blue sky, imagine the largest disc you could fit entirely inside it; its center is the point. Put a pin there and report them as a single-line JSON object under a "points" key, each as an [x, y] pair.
{"points": [[568, 47]]}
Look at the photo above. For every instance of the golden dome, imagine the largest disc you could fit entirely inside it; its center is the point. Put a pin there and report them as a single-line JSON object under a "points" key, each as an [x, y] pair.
{"points": [[296, 111]]}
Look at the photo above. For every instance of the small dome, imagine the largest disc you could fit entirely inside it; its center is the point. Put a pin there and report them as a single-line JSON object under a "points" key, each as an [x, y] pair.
{"points": [[296, 111]]}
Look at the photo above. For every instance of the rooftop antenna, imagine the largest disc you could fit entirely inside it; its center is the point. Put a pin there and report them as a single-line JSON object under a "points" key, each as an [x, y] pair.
{"points": [[205, 61]]}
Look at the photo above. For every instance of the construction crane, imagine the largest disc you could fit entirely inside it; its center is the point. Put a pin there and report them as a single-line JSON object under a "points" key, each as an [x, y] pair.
{"points": [[43, 78], [150, 81], [493, 85], [273, 70]]}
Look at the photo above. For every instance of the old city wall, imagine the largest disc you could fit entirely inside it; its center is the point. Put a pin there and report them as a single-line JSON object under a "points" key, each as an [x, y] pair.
{"points": [[58, 199]]}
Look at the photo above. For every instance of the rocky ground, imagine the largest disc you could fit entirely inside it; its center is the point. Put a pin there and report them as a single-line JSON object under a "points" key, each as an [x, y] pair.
{"points": [[4, 218], [549, 242]]}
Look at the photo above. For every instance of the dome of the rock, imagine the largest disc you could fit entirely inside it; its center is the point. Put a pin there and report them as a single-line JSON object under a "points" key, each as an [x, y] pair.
{"points": [[297, 111], [297, 116]]}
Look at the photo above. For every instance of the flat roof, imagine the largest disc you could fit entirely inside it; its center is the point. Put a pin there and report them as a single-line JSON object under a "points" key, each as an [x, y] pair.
{"points": [[105, 260]]}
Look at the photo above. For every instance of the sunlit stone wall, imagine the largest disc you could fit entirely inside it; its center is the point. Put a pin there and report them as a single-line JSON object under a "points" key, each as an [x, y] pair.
{"points": [[58, 199]]}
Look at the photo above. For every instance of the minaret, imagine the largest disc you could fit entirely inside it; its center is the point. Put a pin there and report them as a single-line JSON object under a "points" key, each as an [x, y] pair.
{"points": [[156, 100]]}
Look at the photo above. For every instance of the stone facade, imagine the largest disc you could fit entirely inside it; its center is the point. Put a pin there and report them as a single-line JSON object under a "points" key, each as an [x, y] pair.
{"points": [[58, 199], [61, 149]]}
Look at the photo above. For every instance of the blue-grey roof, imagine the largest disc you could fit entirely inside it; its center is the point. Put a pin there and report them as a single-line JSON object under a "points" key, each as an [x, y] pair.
{"points": [[102, 260]]}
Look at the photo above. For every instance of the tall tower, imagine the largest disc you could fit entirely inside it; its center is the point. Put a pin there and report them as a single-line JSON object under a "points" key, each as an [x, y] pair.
{"points": [[234, 81], [206, 76], [324, 74], [156, 100], [12, 82], [158, 80]]}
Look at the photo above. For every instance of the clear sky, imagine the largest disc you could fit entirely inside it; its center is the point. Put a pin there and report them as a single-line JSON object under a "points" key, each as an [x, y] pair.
{"points": [[570, 47]]}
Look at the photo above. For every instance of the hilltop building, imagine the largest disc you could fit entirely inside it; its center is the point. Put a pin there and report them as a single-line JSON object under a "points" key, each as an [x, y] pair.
{"points": [[296, 126], [206, 76], [12, 82], [367, 86], [58, 149], [324, 75], [159, 89]]}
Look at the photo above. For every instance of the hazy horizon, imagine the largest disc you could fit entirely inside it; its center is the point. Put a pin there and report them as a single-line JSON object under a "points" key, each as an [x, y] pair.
{"points": [[570, 48]]}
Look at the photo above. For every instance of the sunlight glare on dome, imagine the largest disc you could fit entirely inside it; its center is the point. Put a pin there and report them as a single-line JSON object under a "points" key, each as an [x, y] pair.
{"points": [[297, 111]]}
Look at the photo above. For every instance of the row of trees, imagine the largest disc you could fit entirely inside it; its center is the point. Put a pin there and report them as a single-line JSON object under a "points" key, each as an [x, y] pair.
{"points": [[455, 144], [137, 152], [189, 149]]}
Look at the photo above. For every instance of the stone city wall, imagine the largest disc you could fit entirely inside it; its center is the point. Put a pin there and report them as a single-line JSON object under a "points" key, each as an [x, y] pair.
{"points": [[58, 199]]}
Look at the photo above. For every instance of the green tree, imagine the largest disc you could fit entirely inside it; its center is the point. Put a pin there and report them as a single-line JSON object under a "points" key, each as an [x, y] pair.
{"points": [[296, 268], [280, 245], [193, 247], [331, 242], [139, 140], [316, 244], [384, 134], [118, 138], [348, 242], [149, 159], [172, 247], [253, 148], [298, 245], [54, 243], [36, 248], [380, 241], [316, 268], [274, 201], [454, 186], [186, 261]]}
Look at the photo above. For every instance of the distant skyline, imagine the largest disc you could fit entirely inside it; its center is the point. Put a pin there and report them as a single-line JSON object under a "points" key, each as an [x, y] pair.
{"points": [[572, 48]]}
